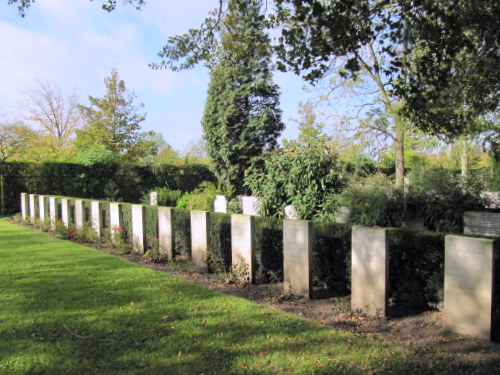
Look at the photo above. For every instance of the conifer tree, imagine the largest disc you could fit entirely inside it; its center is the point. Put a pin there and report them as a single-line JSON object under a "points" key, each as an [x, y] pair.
{"points": [[242, 119]]}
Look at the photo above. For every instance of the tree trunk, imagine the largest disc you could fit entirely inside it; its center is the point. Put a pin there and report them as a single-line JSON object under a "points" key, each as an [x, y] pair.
{"points": [[400, 157], [464, 158]]}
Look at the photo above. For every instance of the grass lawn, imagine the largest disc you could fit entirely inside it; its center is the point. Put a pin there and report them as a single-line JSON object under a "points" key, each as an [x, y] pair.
{"points": [[69, 309]]}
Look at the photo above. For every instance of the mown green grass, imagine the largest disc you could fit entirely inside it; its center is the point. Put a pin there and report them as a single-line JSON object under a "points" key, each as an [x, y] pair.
{"points": [[68, 309]]}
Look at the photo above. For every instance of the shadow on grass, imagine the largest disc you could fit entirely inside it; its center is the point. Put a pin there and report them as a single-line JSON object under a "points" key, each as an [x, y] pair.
{"points": [[70, 309]]}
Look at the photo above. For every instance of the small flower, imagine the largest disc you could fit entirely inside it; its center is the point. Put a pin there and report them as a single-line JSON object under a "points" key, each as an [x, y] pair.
{"points": [[118, 229]]}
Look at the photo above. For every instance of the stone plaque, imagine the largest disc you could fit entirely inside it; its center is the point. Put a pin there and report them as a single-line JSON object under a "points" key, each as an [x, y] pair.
{"points": [[243, 243], [65, 212], [115, 219], [297, 257], [369, 278], [33, 208], [24, 206], [166, 232], [482, 223], [96, 217], [220, 204], [80, 216], [200, 239], [138, 229], [468, 285], [53, 211]]}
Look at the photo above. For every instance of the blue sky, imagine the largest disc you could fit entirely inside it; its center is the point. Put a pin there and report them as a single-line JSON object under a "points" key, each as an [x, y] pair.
{"points": [[74, 44]]}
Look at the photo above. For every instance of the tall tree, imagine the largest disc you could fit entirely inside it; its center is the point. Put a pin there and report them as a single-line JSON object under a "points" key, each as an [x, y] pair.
{"points": [[57, 116], [13, 139], [113, 120], [242, 118], [407, 48]]}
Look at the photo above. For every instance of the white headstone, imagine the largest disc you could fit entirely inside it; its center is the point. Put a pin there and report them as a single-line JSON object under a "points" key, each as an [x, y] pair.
{"points": [[200, 239], [33, 208], [24, 206], [138, 229], [243, 243], [469, 285], [153, 198], [65, 212], [251, 206], [370, 271], [96, 217], [79, 214], [297, 257], [220, 204], [166, 232], [42, 207]]}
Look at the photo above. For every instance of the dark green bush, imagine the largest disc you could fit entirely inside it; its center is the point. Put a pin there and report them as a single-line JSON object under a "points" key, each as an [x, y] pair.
{"points": [[332, 257], [268, 249], [416, 268], [151, 222], [220, 237], [182, 228], [127, 222]]}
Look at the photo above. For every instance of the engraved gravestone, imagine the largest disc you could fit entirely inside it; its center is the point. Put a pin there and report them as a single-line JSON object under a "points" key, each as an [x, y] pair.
{"points": [[369, 278], [243, 244], [96, 217], [33, 208], [200, 239], [79, 214], [166, 232], [24, 206], [42, 207], [468, 285], [482, 223], [297, 257], [138, 229], [65, 212]]}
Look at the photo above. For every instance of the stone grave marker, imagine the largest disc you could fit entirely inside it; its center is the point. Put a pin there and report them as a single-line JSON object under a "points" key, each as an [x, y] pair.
{"points": [[220, 204], [369, 277], [243, 243], [291, 212], [33, 208], [200, 239], [469, 268], [96, 217], [153, 198], [80, 216], [297, 258], [65, 212], [138, 229], [24, 206], [250, 206], [42, 207], [166, 231]]}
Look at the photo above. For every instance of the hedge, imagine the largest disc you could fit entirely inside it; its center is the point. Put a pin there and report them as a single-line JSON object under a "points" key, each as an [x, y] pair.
{"points": [[115, 182]]}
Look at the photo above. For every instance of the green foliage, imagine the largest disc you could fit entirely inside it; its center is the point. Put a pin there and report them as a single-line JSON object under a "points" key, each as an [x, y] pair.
{"points": [[416, 269], [151, 222], [440, 197], [332, 257], [298, 175], [268, 249], [112, 121], [114, 182], [153, 252], [182, 230], [90, 153], [220, 242], [201, 198], [166, 197], [241, 119]]}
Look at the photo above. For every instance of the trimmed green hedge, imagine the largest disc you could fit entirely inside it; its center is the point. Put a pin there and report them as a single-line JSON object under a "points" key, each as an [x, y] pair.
{"points": [[220, 237], [268, 249], [127, 183]]}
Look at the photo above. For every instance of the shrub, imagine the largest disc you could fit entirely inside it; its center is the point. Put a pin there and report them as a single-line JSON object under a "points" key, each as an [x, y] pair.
{"points": [[268, 249], [182, 228], [220, 239], [202, 198], [298, 175]]}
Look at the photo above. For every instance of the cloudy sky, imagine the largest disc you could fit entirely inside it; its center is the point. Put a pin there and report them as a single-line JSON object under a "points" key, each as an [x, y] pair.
{"points": [[74, 44]]}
